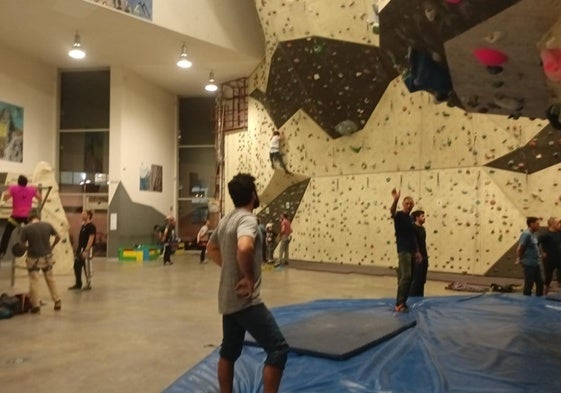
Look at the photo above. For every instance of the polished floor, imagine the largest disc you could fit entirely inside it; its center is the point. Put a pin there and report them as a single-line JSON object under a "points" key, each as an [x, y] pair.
{"points": [[143, 325]]}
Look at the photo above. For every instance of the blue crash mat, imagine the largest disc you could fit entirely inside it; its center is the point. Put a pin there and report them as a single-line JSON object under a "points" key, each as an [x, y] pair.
{"points": [[488, 343], [554, 296], [341, 334]]}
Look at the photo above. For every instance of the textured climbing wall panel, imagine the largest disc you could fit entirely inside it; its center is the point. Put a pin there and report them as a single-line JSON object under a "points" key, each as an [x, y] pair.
{"points": [[292, 19], [337, 83], [426, 25], [287, 201], [498, 135], [501, 219], [552, 40], [542, 151], [435, 153], [520, 88], [52, 213], [345, 219]]}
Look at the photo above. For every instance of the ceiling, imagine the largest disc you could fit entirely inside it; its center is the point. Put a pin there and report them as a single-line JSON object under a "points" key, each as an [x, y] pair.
{"points": [[44, 30]]}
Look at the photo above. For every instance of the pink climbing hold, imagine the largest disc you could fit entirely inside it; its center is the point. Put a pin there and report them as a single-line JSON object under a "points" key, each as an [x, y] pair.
{"points": [[551, 60], [490, 57]]}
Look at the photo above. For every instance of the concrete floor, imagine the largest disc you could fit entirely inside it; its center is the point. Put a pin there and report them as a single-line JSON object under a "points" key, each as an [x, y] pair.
{"points": [[143, 325]]}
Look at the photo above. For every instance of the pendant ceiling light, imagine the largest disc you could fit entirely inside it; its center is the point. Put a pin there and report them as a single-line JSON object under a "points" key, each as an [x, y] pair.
{"points": [[77, 52], [183, 62], [211, 85]]}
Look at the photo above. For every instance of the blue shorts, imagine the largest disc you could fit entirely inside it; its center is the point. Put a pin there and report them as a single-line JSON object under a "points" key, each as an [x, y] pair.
{"points": [[260, 323]]}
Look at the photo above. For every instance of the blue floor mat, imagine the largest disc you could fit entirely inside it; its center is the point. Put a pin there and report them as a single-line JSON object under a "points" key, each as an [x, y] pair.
{"points": [[341, 334], [554, 296], [489, 343]]}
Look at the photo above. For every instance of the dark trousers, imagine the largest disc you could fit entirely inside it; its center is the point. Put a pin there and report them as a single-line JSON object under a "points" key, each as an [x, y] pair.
{"points": [[79, 264], [167, 252], [532, 275], [203, 251], [260, 323], [404, 272], [277, 156], [419, 278], [549, 266], [10, 226]]}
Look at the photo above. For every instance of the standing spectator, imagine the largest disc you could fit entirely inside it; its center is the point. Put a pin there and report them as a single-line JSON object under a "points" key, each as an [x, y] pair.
{"points": [[235, 246], [202, 239], [419, 276], [270, 239], [275, 153], [285, 238], [22, 198], [37, 237], [529, 255], [550, 246], [407, 248], [168, 237], [84, 252]]}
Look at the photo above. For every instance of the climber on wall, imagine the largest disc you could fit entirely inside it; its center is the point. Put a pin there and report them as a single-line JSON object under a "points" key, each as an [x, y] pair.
{"points": [[275, 151]]}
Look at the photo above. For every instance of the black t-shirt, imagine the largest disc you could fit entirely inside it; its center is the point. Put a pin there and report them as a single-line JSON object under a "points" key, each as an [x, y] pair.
{"points": [[169, 233], [404, 232], [85, 232], [421, 234], [550, 243]]}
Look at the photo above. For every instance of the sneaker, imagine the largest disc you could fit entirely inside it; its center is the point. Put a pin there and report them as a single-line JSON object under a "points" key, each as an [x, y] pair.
{"points": [[401, 308], [87, 288], [35, 310], [58, 305], [74, 288]]}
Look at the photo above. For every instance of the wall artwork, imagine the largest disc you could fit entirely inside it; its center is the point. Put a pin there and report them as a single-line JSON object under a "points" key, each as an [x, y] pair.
{"points": [[11, 132], [140, 8], [151, 177]]}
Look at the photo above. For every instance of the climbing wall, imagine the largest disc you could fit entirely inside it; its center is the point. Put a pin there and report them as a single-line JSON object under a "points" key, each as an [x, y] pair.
{"points": [[476, 175], [516, 86], [52, 213]]}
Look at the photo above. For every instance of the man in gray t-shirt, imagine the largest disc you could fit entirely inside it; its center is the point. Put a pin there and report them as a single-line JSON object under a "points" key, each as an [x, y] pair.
{"points": [[236, 246], [37, 237]]}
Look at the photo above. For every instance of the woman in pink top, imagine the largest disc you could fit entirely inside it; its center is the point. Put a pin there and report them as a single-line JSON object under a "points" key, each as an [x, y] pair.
{"points": [[22, 199]]}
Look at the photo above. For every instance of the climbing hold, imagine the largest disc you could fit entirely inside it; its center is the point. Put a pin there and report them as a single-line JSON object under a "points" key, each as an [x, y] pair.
{"points": [[346, 127], [493, 70], [552, 113], [509, 103], [490, 57], [494, 37], [551, 61]]}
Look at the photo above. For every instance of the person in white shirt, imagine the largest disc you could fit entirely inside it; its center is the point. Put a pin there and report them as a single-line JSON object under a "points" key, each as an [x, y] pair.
{"points": [[275, 153]]}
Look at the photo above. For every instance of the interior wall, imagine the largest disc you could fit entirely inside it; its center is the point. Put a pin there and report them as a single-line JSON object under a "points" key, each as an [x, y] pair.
{"points": [[432, 152], [143, 133], [215, 21], [32, 85]]}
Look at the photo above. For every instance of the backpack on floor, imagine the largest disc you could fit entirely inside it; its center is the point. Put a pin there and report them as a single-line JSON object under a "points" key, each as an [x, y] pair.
{"points": [[5, 313], [17, 304]]}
